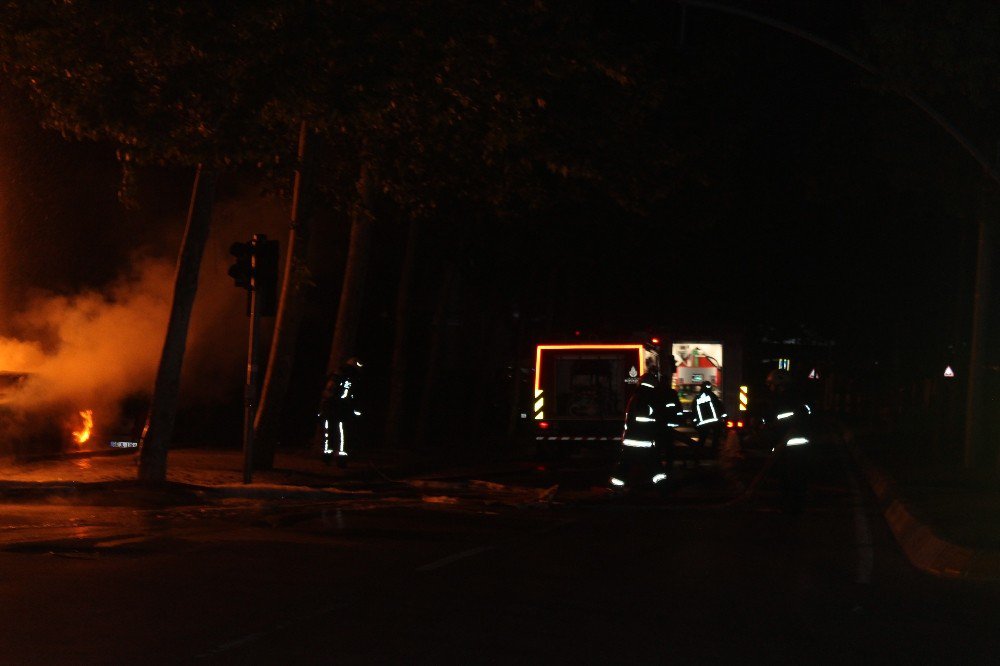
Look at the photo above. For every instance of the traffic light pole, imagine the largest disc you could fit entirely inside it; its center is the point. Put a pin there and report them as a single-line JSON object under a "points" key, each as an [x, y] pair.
{"points": [[250, 389], [256, 270]]}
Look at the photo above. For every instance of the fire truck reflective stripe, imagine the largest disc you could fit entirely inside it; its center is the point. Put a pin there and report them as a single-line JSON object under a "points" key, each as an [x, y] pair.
{"points": [[539, 404], [797, 441], [617, 482], [638, 443], [659, 477], [808, 409], [647, 385], [743, 398], [644, 419], [671, 404], [340, 425], [785, 415]]}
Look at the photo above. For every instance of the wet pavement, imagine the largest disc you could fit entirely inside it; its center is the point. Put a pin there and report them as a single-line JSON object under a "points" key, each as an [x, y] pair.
{"points": [[956, 512], [535, 563]]}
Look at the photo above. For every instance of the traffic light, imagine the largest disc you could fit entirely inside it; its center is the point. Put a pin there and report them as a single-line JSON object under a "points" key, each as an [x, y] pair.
{"points": [[242, 270], [256, 270]]}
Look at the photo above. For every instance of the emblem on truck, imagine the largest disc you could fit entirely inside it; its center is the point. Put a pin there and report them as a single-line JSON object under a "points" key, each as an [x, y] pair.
{"points": [[633, 376]]}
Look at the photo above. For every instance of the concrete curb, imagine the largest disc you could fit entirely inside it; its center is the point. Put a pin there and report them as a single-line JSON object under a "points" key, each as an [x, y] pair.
{"points": [[922, 546]]}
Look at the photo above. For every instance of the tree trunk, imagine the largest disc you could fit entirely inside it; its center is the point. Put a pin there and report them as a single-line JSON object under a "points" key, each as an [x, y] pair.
{"points": [[288, 319], [438, 333], [974, 401], [352, 292], [515, 388], [160, 422], [397, 372]]}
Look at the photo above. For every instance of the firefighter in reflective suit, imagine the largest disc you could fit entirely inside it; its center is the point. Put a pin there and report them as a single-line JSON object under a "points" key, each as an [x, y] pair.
{"points": [[708, 416], [786, 424], [648, 440], [340, 412]]}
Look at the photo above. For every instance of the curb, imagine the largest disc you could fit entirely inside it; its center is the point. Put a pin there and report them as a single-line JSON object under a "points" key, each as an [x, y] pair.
{"points": [[922, 546]]}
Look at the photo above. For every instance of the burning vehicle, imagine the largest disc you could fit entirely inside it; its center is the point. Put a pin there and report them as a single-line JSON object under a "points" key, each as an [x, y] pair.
{"points": [[50, 428]]}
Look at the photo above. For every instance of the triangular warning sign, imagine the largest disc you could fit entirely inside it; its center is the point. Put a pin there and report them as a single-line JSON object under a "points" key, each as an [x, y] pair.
{"points": [[814, 374], [948, 372]]}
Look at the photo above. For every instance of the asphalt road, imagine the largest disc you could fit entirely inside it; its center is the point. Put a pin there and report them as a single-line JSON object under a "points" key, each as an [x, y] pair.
{"points": [[503, 571]]}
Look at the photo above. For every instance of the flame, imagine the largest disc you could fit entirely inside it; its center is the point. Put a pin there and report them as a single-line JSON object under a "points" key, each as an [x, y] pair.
{"points": [[83, 434]]}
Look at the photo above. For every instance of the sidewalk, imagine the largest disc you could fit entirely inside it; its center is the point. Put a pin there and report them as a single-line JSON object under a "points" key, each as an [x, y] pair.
{"points": [[199, 474], [945, 519]]}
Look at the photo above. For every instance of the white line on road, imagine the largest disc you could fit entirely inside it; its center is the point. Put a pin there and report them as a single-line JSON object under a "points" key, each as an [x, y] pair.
{"points": [[281, 626], [454, 558]]}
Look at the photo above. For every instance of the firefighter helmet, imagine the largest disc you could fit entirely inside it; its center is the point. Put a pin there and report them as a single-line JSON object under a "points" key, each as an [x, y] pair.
{"points": [[650, 378], [351, 365]]}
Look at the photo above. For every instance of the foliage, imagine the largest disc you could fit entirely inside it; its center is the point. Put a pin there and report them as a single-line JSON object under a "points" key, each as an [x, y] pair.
{"points": [[506, 103], [947, 51]]}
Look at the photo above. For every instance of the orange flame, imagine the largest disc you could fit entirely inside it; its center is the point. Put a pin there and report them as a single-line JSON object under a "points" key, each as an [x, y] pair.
{"points": [[83, 434]]}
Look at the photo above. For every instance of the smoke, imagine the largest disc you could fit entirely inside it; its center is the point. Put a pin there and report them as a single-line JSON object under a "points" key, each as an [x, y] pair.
{"points": [[96, 348], [86, 286], [90, 350]]}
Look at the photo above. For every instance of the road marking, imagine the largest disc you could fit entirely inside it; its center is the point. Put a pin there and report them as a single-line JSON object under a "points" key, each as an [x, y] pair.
{"points": [[443, 562], [281, 626]]}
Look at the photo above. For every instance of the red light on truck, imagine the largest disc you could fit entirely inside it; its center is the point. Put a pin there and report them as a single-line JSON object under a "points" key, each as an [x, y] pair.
{"points": [[730, 424], [543, 425]]}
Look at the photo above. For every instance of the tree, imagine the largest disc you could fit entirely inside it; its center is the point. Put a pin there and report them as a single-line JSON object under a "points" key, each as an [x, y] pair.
{"points": [[166, 85], [291, 305], [948, 53], [506, 106]]}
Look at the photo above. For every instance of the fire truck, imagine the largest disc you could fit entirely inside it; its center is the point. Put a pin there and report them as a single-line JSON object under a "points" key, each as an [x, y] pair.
{"points": [[581, 389]]}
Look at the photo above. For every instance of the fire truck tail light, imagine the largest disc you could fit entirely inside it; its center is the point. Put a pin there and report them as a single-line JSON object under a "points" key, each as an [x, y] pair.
{"points": [[544, 425]]}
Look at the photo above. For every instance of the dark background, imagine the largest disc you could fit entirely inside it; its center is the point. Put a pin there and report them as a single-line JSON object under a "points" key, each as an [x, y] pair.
{"points": [[813, 203]]}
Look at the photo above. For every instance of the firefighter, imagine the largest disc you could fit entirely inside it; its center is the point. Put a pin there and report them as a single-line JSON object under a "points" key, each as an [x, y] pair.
{"points": [[708, 416], [340, 413], [652, 413], [786, 424]]}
